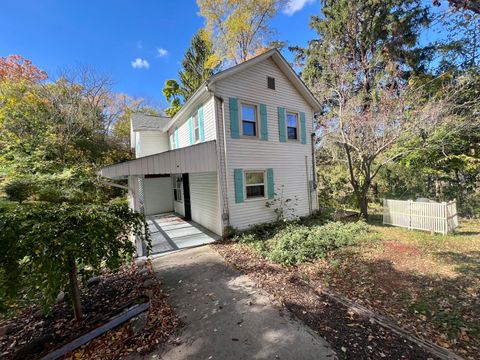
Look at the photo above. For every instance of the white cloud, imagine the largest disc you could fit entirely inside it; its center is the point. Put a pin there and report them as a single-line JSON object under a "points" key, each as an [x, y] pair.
{"points": [[293, 6], [161, 52], [139, 63], [139, 45]]}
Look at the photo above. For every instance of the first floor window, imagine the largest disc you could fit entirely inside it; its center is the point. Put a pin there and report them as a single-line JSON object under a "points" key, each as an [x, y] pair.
{"points": [[292, 126], [255, 184], [177, 187], [249, 120], [196, 128]]}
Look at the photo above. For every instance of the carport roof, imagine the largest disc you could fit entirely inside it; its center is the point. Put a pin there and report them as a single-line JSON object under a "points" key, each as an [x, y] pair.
{"points": [[191, 159]]}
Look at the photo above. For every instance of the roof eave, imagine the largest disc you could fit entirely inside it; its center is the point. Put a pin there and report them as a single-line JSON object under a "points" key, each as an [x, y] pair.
{"points": [[279, 60], [196, 95], [284, 66]]}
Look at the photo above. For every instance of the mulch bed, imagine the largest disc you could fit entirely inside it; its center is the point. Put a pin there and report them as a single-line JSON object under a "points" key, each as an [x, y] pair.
{"points": [[352, 336], [99, 302]]}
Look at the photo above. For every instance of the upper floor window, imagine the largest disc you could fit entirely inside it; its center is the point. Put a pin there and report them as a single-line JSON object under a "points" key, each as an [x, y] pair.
{"points": [[196, 128], [249, 120], [255, 184], [292, 126], [271, 82]]}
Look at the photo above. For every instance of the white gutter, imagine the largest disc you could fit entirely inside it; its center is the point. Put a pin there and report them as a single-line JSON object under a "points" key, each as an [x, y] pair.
{"points": [[196, 95]]}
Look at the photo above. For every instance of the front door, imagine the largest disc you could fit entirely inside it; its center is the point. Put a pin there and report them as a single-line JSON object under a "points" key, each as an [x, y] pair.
{"points": [[186, 197]]}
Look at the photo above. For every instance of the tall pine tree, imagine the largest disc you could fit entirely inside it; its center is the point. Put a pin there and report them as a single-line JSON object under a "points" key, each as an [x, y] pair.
{"points": [[358, 67], [196, 68]]}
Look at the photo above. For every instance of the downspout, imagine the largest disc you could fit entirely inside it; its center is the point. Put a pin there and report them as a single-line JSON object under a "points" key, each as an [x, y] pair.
{"points": [[113, 184], [221, 155], [314, 164]]}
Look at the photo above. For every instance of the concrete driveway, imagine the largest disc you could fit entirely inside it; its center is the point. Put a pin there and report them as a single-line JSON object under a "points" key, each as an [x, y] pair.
{"points": [[226, 316]]}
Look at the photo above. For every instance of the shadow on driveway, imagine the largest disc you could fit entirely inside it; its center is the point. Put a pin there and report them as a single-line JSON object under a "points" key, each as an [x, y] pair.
{"points": [[226, 316]]}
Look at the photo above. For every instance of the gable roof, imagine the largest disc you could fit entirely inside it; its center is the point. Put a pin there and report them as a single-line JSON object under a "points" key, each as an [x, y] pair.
{"points": [[284, 66], [279, 60], [144, 122]]}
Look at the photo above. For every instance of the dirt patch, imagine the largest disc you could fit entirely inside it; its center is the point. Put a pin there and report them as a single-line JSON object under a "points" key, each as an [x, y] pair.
{"points": [[401, 249], [111, 293], [352, 336]]}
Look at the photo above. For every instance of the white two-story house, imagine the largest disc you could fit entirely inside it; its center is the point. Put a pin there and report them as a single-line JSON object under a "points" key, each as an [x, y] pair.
{"points": [[244, 137]]}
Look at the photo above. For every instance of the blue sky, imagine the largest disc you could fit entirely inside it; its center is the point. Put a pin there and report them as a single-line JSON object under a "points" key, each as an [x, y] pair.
{"points": [[119, 37], [111, 34]]}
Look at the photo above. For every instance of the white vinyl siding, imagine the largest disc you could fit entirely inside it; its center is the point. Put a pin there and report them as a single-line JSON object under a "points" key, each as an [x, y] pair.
{"points": [[204, 201], [286, 159], [183, 125], [209, 127], [158, 195], [150, 142]]}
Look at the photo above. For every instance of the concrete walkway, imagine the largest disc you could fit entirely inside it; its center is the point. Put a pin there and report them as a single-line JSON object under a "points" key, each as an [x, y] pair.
{"points": [[226, 316]]}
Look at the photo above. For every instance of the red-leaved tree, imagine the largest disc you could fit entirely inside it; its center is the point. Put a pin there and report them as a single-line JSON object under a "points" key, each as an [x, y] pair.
{"points": [[16, 67]]}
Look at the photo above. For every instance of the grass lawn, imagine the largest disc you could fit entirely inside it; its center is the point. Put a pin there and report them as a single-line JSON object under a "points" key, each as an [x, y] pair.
{"points": [[429, 284]]}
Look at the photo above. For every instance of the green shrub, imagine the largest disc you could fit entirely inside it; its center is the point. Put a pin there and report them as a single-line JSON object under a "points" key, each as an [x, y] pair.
{"points": [[19, 189], [43, 246], [298, 243]]}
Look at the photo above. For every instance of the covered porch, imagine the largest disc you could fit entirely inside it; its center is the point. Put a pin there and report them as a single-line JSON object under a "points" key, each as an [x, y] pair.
{"points": [[170, 232], [178, 192]]}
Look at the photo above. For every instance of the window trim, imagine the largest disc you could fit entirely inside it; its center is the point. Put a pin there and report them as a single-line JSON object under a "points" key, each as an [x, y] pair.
{"points": [[257, 119], [298, 139], [245, 185], [195, 117]]}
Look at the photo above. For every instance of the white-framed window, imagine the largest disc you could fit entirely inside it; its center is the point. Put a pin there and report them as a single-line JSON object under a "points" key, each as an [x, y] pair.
{"points": [[254, 184], [177, 187], [249, 114], [292, 125], [196, 128]]}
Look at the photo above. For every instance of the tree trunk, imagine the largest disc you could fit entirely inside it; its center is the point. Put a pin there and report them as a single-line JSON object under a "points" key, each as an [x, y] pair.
{"points": [[438, 189], [74, 289], [363, 204]]}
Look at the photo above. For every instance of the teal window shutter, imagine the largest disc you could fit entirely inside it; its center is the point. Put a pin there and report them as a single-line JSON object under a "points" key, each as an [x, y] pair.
{"points": [[177, 145], [263, 122], [234, 123], [303, 128], [282, 127], [190, 127], [270, 183], [238, 177], [200, 124]]}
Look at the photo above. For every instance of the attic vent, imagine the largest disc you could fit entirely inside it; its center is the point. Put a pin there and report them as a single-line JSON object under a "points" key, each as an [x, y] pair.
{"points": [[271, 82]]}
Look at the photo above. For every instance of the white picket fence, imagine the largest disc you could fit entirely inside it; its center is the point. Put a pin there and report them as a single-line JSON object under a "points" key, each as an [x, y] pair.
{"points": [[430, 216]]}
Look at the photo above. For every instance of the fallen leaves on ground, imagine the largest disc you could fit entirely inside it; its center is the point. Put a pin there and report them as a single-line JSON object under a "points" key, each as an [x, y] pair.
{"points": [[352, 336], [100, 302]]}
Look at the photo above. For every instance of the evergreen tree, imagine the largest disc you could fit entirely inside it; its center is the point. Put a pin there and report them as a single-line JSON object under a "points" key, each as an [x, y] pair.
{"points": [[196, 68], [195, 65], [358, 67]]}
